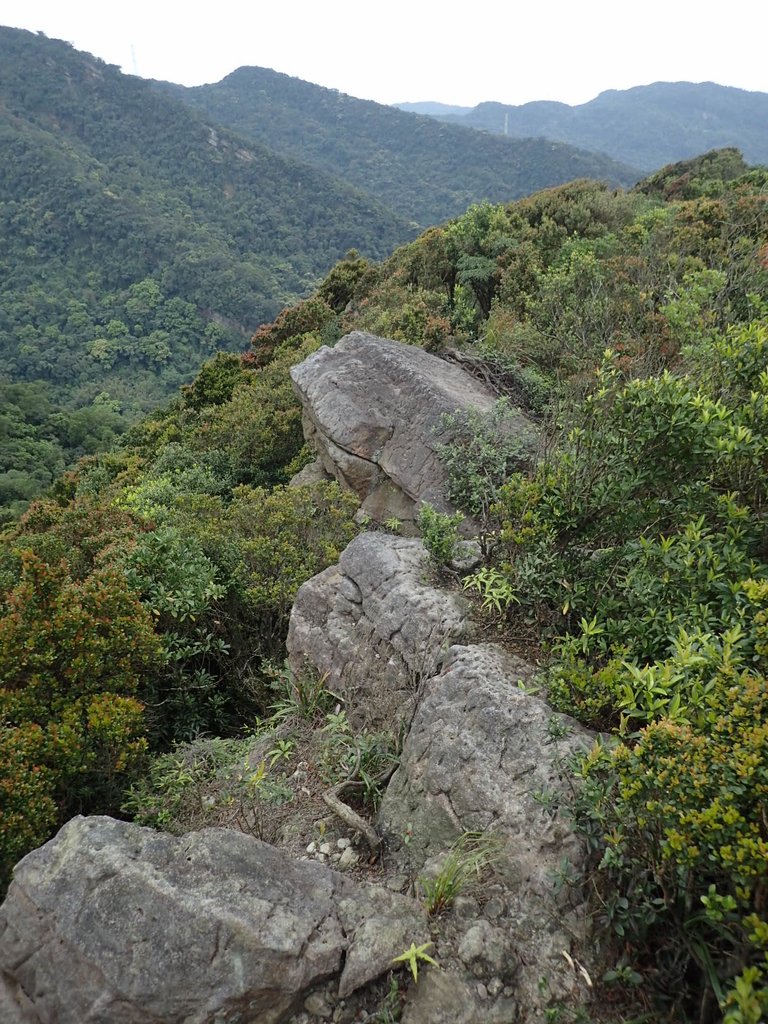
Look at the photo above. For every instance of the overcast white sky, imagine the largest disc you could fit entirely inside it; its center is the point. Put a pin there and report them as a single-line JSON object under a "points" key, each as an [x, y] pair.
{"points": [[406, 50]]}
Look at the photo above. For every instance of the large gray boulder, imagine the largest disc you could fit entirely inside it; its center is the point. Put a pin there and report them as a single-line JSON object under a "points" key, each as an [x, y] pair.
{"points": [[374, 626], [110, 923], [483, 755], [372, 410]]}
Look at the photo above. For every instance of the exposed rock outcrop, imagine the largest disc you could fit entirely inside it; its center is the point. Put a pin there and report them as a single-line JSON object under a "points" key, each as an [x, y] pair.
{"points": [[375, 627], [482, 755], [373, 408], [110, 923], [447, 996]]}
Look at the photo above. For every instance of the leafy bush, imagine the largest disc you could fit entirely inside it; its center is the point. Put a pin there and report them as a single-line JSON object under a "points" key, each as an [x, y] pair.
{"points": [[683, 872], [180, 587], [484, 449], [640, 545], [207, 782], [494, 588], [28, 809], [273, 541], [62, 638], [439, 531], [72, 657], [215, 381], [644, 514]]}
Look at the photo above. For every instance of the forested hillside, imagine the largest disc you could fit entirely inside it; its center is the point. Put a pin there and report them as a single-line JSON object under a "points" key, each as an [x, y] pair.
{"points": [[646, 126], [423, 170], [137, 241], [140, 236], [146, 600]]}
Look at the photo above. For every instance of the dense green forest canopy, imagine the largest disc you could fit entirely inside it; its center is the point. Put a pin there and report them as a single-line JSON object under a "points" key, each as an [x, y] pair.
{"points": [[144, 602], [646, 126], [140, 235], [137, 241], [422, 169]]}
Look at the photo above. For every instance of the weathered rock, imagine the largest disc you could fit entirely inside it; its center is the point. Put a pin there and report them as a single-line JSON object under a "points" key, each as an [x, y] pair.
{"points": [[15, 1008], [374, 627], [483, 755], [318, 1004], [110, 923], [372, 411], [348, 859], [311, 474], [445, 997], [485, 947]]}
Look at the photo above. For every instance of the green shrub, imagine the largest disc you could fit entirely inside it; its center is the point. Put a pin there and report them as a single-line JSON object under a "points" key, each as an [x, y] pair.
{"points": [[73, 654], [494, 588], [439, 532], [280, 539], [28, 808], [182, 590], [640, 545], [484, 449], [684, 870], [207, 782]]}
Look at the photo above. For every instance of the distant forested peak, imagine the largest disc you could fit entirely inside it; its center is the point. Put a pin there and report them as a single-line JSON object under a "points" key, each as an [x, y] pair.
{"points": [[645, 126], [425, 170], [139, 237]]}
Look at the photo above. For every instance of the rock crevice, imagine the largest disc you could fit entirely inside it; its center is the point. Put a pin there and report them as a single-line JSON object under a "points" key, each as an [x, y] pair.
{"points": [[373, 409]]}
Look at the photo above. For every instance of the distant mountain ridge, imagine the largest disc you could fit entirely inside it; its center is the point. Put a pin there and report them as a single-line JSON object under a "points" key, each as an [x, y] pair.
{"points": [[646, 126], [425, 170]]}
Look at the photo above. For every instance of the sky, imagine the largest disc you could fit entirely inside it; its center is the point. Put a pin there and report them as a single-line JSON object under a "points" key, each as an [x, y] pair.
{"points": [[408, 50]]}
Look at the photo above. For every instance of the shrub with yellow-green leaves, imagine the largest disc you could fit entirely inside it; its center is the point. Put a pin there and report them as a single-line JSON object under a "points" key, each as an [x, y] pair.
{"points": [[72, 731], [683, 813], [62, 638], [28, 809], [283, 537], [639, 545]]}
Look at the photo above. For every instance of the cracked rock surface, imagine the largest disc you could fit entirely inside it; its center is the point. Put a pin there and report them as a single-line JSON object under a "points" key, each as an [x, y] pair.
{"points": [[111, 923], [375, 627], [482, 755], [372, 410]]}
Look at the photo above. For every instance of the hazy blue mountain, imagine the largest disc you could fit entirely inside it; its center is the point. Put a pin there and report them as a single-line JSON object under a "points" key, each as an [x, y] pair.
{"points": [[647, 126]]}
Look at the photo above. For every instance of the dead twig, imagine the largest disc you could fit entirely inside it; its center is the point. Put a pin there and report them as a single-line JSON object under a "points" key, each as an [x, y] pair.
{"points": [[351, 818]]}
